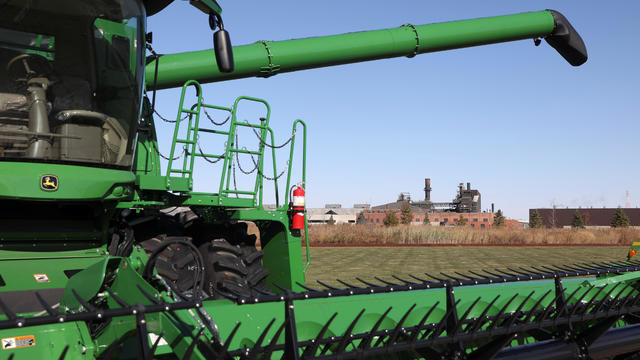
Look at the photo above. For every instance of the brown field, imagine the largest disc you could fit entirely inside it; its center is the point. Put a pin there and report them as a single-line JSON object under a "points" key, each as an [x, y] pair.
{"points": [[433, 235]]}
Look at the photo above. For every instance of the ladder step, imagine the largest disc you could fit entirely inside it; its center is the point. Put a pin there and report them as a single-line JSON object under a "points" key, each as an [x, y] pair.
{"points": [[209, 155], [180, 171], [214, 131], [251, 125], [185, 141], [239, 192], [241, 151], [189, 111]]}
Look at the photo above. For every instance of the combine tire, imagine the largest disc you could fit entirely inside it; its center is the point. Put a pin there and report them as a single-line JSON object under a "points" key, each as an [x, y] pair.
{"points": [[233, 270], [175, 264]]}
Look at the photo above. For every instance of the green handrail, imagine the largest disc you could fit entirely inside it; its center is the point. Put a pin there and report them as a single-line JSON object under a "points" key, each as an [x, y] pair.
{"points": [[304, 178]]}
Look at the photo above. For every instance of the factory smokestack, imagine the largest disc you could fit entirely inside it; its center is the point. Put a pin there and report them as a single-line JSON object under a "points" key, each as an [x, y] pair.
{"points": [[427, 189]]}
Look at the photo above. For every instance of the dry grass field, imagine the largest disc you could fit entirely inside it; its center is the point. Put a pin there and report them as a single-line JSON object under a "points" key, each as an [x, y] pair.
{"points": [[435, 235]]}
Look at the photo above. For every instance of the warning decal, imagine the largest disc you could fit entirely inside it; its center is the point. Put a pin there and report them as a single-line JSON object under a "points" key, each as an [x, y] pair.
{"points": [[41, 278], [18, 342]]}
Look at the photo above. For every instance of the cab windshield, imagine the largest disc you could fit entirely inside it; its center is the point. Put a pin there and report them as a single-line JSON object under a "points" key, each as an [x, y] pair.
{"points": [[71, 77]]}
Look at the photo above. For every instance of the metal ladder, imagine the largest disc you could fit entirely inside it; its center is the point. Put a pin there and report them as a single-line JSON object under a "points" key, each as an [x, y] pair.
{"points": [[180, 178]]}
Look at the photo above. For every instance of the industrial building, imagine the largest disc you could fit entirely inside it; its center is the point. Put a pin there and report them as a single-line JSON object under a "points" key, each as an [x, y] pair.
{"points": [[592, 217], [339, 214], [466, 201]]}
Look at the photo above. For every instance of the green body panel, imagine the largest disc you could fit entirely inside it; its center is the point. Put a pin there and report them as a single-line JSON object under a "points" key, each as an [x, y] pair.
{"points": [[18, 274], [267, 58], [51, 341], [21, 180]]}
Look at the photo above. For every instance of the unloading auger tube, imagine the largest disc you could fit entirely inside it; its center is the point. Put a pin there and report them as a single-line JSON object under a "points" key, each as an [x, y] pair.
{"points": [[267, 58]]}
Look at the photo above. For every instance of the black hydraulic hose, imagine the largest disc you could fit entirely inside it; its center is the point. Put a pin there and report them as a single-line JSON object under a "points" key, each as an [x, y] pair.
{"points": [[147, 273]]}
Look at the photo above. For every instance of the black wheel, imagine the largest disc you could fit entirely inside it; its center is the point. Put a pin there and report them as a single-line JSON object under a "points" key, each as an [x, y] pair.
{"points": [[234, 266], [176, 264]]}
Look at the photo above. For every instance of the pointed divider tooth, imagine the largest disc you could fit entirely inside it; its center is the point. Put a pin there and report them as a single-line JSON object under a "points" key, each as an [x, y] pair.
{"points": [[459, 281], [474, 326], [615, 300], [519, 272], [147, 295], [562, 311], [501, 312], [407, 282], [529, 315], [189, 352], [389, 283], [464, 316], [231, 335], [544, 272], [280, 287], [263, 292], [605, 298], [309, 289], [418, 328], [154, 347], [396, 331], [422, 281], [364, 343], [63, 354], [503, 272], [625, 300], [310, 351], [496, 277], [482, 276], [368, 283], [116, 298], [588, 266], [548, 308], [509, 276], [593, 298], [518, 312], [346, 338], [443, 281], [328, 286], [440, 327], [84, 304], [230, 296], [349, 286], [578, 303], [551, 268], [266, 352], [45, 305], [465, 276], [255, 350], [532, 272]]}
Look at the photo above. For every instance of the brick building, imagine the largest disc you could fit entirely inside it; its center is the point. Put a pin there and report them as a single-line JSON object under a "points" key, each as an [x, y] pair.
{"points": [[450, 219]]}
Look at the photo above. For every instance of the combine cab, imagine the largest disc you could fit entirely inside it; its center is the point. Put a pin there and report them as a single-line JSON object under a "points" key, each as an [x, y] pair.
{"points": [[106, 254]]}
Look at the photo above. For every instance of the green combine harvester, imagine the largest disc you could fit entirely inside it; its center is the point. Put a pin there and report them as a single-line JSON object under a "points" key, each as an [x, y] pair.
{"points": [[105, 255]]}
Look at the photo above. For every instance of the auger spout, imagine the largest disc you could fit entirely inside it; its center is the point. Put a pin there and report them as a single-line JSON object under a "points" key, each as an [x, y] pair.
{"points": [[267, 58]]}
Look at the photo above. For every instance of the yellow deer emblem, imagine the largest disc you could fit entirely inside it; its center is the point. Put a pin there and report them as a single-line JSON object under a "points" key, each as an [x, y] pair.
{"points": [[49, 182]]}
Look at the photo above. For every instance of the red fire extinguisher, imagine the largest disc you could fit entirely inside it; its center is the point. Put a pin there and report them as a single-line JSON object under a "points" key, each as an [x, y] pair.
{"points": [[297, 208]]}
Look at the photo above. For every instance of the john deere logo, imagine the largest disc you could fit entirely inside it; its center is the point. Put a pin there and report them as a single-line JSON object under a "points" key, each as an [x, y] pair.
{"points": [[49, 182]]}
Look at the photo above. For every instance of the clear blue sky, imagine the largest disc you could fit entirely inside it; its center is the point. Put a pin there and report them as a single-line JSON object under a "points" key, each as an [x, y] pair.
{"points": [[523, 126]]}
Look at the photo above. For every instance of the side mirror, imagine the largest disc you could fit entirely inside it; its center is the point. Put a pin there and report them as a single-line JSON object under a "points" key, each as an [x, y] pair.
{"points": [[221, 44], [223, 50]]}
